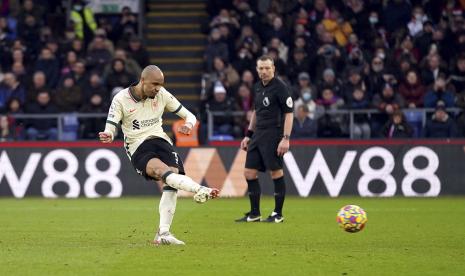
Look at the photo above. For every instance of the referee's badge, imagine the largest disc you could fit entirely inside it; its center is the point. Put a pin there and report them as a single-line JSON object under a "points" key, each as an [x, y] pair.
{"points": [[289, 102], [266, 101]]}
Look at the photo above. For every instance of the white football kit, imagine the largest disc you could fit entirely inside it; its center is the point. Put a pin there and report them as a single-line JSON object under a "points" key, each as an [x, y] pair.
{"points": [[142, 119]]}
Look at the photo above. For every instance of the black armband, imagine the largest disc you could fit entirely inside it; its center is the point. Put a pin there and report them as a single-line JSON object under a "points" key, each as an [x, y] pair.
{"points": [[249, 133]]}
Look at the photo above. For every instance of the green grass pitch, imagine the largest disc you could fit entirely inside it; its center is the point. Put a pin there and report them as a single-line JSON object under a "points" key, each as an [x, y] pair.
{"points": [[403, 236]]}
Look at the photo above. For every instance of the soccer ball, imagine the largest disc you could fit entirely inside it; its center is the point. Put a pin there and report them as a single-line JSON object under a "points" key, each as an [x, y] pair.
{"points": [[351, 218]]}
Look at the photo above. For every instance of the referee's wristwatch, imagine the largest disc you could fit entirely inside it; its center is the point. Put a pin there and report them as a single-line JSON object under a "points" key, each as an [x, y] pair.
{"points": [[286, 137]]}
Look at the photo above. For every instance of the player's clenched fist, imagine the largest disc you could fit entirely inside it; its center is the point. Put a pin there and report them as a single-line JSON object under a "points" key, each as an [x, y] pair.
{"points": [[105, 137], [185, 129]]}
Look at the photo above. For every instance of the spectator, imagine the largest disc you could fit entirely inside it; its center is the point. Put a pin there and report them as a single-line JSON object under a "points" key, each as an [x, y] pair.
{"points": [[298, 64], [70, 59], [48, 64], [215, 48], [440, 125], [42, 129], [28, 31], [432, 70], [250, 40], [16, 126], [68, 97], [4, 129], [359, 99], [132, 67], [386, 102], [457, 78], [39, 83], [330, 81], [79, 74], [127, 25], [245, 100], [304, 84], [99, 55], [397, 14], [354, 80], [307, 95], [248, 78], [415, 25], [439, 93], [225, 124], [9, 88], [83, 21], [303, 127], [90, 127], [119, 76], [397, 126], [95, 86], [138, 52], [337, 27], [244, 60], [412, 90], [330, 125]]}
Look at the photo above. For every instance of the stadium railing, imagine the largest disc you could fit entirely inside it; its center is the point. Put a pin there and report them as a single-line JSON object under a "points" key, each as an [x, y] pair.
{"points": [[421, 113]]}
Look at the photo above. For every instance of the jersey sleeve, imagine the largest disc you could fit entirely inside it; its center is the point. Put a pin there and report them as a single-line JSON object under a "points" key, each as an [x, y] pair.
{"points": [[171, 103], [285, 100], [115, 115]]}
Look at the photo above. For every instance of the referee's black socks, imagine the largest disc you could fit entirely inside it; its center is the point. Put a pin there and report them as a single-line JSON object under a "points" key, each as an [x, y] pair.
{"points": [[279, 194], [254, 196]]}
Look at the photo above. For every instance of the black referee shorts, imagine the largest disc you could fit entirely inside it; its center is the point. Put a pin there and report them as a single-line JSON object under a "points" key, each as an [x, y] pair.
{"points": [[155, 148], [262, 150]]}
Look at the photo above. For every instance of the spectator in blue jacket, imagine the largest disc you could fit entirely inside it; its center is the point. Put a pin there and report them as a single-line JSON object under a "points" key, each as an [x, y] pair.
{"points": [[441, 125], [439, 94], [303, 127]]}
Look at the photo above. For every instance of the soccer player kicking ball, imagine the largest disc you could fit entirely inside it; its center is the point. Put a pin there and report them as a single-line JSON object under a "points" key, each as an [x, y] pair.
{"points": [[139, 108]]}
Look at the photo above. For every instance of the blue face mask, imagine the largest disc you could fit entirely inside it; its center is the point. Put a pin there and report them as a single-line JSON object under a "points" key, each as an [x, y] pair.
{"points": [[306, 96], [373, 20]]}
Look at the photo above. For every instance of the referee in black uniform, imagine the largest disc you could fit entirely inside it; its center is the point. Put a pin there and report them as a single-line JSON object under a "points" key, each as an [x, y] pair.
{"points": [[267, 139]]}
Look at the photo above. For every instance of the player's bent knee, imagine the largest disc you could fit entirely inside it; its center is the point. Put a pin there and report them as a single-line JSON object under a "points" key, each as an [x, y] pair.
{"points": [[156, 168], [277, 174], [250, 174]]}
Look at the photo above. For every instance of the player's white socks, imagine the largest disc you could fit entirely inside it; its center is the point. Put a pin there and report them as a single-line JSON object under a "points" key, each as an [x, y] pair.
{"points": [[181, 182], [167, 209]]}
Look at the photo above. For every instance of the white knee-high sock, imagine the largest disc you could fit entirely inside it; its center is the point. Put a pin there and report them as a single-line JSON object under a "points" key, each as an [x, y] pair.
{"points": [[182, 182], [167, 209]]}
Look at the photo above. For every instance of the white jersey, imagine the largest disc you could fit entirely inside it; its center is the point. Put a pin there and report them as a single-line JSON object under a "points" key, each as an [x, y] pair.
{"points": [[141, 119]]}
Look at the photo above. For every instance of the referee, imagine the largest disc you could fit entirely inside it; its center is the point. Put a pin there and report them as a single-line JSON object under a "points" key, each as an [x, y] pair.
{"points": [[267, 139]]}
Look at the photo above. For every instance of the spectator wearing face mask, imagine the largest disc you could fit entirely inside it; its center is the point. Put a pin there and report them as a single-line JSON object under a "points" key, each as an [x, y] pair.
{"points": [[83, 20]]}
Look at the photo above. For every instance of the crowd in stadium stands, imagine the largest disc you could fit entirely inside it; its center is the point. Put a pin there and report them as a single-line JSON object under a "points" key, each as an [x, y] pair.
{"points": [[395, 56], [47, 67]]}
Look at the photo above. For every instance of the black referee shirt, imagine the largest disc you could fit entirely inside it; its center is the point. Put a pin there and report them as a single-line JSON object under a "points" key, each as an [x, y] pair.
{"points": [[271, 103]]}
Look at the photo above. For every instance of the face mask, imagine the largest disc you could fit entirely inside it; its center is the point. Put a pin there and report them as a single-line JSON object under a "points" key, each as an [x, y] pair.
{"points": [[373, 20], [418, 17], [382, 55], [377, 68], [242, 55], [307, 96]]}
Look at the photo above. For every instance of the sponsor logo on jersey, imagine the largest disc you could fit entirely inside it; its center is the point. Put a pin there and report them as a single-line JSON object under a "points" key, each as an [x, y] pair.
{"points": [[135, 125]]}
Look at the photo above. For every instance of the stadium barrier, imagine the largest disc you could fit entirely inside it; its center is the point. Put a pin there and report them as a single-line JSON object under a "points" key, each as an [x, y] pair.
{"points": [[367, 168], [417, 117]]}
